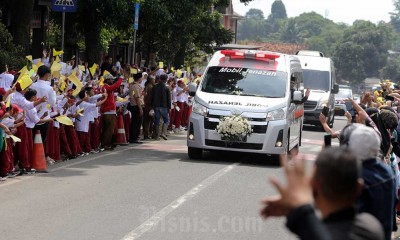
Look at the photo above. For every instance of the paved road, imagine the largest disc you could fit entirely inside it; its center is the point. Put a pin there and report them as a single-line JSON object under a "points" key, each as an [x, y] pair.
{"points": [[151, 191]]}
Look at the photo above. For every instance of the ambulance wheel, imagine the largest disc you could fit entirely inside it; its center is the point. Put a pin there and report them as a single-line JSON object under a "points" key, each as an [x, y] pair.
{"points": [[195, 153]]}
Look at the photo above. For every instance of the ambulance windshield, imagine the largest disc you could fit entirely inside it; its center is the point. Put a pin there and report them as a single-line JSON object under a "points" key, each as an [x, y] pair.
{"points": [[245, 82]]}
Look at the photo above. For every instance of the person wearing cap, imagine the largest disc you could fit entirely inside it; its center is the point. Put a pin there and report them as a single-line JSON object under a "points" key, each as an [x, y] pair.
{"points": [[136, 106], [109, 111], [379, 192], [161, 103]]}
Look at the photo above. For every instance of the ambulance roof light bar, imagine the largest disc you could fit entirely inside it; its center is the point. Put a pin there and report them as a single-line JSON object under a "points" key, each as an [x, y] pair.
{"points": [[238, 54]]}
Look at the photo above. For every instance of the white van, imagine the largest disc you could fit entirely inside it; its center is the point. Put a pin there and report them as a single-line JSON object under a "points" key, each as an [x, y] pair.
{"points": [[256, 85], [319, 76]]}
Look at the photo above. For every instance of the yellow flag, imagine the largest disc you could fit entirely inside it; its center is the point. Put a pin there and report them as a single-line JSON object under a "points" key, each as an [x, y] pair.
{"points": [[106, 72], [76, 82], [8, 104], [121, 100], [56, 74], [25, 81], [172, 68], [81, 68], [55, 67], [179, 73], [188, 69], [39, 63], [57, 59], [63, 119], [185, 80], [29, 57], [131, 80], [161, 65], [15, 139], [79, 112], [133, 70], [93, 69], [101, 83], [23, 70], [57, 53], [63, 86], [48, 106]]}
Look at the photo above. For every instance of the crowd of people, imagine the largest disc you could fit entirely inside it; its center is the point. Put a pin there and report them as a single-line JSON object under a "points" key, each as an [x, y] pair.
{"points": [[355, 186], [75, 108]]}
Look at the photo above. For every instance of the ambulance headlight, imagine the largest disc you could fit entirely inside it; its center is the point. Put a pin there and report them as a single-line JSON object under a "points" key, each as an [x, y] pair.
{"points": [[278, 114], [199, 109]]}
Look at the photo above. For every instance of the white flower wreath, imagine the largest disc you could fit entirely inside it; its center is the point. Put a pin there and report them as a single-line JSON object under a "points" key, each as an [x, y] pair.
{"points": [[234, 128]]}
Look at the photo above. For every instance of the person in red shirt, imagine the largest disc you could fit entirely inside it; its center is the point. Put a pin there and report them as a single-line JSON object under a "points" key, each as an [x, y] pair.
{"points": [[108, 111]]}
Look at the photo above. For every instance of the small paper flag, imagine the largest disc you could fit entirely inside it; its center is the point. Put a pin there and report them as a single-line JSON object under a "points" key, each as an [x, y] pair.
{"points": [[80, 111], [76, 82], [63, 119], [106, 72], [57, 53], [179, 73], [161, 65], [93, 69], [57, 74], [134, 71], [81, 68], [29, 57], [39, 63], [8, 104], [131, 80], [172, 68], [25, 81], [101, 83], [185, 80], [57, 60], [188, 70], [15, 139], [55, 67], [23, 70], [120, 99], [48, 106]]}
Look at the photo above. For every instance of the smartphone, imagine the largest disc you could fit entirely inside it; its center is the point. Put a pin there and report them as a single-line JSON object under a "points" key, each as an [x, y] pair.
{"points": [[325, 111], [389, 98], [328, 140]]}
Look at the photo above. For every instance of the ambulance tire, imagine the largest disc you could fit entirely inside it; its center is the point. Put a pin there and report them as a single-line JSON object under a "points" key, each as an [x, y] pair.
{"points": [[195, 153]]}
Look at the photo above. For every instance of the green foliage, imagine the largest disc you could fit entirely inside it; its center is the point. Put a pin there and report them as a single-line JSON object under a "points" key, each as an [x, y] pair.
{"points": [[392, 69], [371, 44], [278, 10], [10, 54]]}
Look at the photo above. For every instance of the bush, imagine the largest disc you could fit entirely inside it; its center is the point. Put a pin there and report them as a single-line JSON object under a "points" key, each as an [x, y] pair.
{"points": [[10, 54]]}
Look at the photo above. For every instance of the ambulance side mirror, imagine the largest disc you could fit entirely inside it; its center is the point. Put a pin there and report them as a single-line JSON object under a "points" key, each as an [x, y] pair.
{"points": [[297, 96], [192, 89]]}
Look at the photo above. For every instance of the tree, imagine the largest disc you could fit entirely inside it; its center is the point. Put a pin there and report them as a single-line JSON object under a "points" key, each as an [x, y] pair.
{"points": [[21, 14], [254, 13], [10, 54], [278, 10], [349, 61], [391, 70]]}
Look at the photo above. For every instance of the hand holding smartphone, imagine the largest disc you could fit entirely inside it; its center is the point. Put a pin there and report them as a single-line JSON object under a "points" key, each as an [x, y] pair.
{"points": [[325, 111]]}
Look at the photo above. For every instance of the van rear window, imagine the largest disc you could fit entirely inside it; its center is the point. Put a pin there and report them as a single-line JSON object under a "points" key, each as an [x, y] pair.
{"points": [[244, 82]]}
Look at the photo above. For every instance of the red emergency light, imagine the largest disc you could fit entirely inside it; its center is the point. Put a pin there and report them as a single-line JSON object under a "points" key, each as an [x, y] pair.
{"points": [[233, 54], [263, 56]]}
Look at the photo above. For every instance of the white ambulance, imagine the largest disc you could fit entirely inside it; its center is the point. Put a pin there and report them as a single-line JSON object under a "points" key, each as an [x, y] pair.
{"points": [[256, 85]]}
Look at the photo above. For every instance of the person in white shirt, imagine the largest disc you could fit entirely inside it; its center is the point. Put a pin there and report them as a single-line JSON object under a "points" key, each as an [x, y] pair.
{"points": [[180, 102], [83, 122], [43, 88], [6, 79], [33, 118]]}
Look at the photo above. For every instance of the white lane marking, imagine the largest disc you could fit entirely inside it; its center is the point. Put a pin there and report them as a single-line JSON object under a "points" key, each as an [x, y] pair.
{"points": [[156, 218]]}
